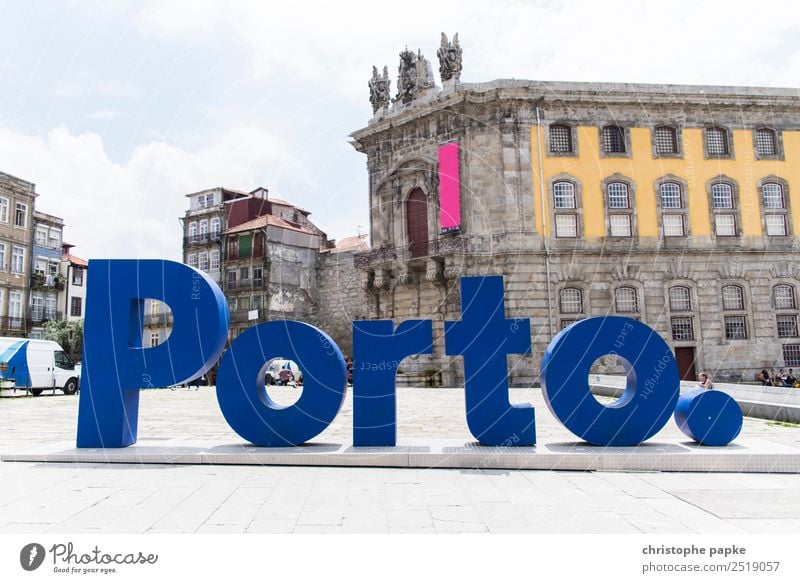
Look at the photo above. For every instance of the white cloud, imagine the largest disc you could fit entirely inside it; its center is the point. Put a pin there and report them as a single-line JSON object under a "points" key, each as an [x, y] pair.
{"points": [[132, 209], [334, 44]]}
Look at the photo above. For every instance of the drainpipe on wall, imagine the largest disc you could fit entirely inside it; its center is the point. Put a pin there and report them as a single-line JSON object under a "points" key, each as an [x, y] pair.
{"points": [[544, 210]]}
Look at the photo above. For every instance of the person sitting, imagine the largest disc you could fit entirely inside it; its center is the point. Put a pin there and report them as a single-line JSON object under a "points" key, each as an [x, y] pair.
{"points": [[763, 377], [790, 379], [705, 381]]}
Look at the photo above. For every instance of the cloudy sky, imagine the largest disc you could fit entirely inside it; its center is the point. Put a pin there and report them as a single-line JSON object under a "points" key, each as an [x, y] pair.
{"points": [[116, 109]]}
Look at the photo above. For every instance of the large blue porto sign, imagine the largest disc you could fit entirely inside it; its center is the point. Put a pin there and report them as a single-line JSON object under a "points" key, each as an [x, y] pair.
{"points": [[116, 365]]}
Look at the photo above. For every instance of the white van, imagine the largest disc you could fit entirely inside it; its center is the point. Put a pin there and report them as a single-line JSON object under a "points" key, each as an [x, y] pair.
{"points": [[36, 366]]}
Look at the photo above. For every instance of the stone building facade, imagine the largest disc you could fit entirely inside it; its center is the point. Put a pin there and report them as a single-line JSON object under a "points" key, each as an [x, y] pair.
{"points": [[17, 200], [675, 205]]}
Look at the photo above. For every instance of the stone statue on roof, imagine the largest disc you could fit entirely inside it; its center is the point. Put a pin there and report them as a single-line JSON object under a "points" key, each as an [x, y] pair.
{"points": [[449, 58], [415, 75], [379, 89]]}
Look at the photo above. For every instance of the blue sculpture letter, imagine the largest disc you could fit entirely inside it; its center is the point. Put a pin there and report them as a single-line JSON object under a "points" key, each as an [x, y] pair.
{"points": [[484, 337], [242, 395], [709, 417], [652, 385], [116, 365], [378, 349]]}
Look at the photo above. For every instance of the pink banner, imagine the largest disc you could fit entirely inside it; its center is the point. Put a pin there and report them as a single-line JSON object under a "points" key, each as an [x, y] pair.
{"points": [[449, 189]]}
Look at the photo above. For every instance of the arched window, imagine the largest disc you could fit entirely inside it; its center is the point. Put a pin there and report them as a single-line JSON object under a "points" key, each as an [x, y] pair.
{"points": [[204, 227], [783, 296], [732, 298], [571, 301], [666, 140], [680, 299], [766, 142], [723, 195], [614, 140], [671, 195], [626, 300], [564, 195], [561, 139], [773, 196], [618, 196]]}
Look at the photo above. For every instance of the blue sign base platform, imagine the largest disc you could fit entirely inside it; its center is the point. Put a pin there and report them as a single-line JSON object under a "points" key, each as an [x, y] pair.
{"points": [[746, 455]]}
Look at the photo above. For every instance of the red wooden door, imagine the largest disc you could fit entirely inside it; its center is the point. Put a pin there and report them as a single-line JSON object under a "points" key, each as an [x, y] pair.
{"points": [[417, 223], [685, 358]]}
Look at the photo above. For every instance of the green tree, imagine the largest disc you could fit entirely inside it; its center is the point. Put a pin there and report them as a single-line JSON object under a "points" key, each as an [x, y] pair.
{"points": [[68, 333]]}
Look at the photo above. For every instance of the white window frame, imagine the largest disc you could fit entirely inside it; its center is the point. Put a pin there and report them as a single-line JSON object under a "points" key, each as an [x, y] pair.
{"points": [[776, 225], [54, 235], [682, 303], [725, 227], [619, 225], [15, 301], [630, 300], [570, 305], [678, 229], [563, 200], [40, 236], [726, 197], [615, 197], [3, 210], [674, 196], [567, 226], [17, 259], [24, 207], [213, 260]]}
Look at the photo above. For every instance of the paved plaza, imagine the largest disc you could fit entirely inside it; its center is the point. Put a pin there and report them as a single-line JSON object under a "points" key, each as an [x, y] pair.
{"points": [[86, 498]]}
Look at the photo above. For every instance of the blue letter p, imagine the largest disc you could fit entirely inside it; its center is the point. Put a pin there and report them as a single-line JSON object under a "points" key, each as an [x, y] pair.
{"points": [[116, 366]]}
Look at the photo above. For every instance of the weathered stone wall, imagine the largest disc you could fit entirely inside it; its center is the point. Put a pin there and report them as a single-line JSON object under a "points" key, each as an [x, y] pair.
{"points": [[339, 298]]}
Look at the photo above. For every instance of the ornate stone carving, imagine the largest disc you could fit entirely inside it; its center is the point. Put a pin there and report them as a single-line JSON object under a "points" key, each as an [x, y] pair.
{"points": [[449, 59], [404, 277], [451, 270], [382, 279], [731, 270], [415, 75], [433, 271], [625, 272], [784, 270], [379, 89]]}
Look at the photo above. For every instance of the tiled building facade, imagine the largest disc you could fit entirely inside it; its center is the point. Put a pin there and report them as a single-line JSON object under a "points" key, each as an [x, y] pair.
{"points": [[47, 280], [676, 205]]}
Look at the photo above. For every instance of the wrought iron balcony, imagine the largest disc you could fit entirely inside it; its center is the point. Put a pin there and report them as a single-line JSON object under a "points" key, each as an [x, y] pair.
{"points": [[436, 248]]}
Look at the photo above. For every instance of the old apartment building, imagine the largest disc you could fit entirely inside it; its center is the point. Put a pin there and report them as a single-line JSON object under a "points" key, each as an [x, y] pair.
{"points": [[17, 199]]}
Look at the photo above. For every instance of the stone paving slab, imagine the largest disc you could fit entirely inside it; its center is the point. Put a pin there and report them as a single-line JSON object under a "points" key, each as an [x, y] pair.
{"points": [[746, 455], [171, 498]]}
